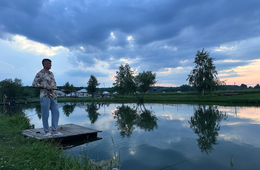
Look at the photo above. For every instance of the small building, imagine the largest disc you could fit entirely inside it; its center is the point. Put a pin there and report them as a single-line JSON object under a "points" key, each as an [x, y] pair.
{"points": [[105, 94], [82, 93]]}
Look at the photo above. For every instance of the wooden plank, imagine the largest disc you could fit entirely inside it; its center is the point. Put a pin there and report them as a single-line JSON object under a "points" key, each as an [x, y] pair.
{"points": [[69, 132]]}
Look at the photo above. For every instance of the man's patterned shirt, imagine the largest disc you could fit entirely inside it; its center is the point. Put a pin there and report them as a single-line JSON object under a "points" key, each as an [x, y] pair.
{"points": [[41, 80]]}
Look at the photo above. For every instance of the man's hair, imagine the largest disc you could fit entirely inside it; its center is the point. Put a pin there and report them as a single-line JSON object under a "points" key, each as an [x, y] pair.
{"points": [[44, 60]]}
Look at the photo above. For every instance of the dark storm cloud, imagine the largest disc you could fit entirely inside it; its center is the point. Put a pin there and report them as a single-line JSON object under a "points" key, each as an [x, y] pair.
{"points": [[184, 26], [86, 59], [229, 65], [69, 23]]}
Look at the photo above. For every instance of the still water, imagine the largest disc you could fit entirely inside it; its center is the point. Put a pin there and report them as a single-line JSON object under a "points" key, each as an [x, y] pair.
{"points": [[166, 136]]}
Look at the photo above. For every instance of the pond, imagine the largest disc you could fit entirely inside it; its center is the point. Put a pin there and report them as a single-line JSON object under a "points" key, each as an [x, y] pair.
{"points": [[166, 136]]}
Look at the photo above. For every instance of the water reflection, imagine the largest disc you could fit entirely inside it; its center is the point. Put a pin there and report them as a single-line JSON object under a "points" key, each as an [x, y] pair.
{"points": [[38, 111], [205, 123], [127, 118], [15, 108], [171, 138], [68, 109], [147, 120], [92, 112]]}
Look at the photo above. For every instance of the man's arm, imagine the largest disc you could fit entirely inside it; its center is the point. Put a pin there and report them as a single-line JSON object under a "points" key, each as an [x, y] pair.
{"points": [[38, 83]]}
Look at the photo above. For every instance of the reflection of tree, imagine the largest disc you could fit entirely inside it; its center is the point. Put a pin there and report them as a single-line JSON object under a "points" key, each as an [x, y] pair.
{"points": [[17, 108], [128, 117], [147, 120], [68, 109], [92, 112], [205, 123]]}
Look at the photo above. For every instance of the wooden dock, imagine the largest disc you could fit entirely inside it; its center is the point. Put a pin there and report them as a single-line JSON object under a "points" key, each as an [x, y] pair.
{"points": [[69, 132]]}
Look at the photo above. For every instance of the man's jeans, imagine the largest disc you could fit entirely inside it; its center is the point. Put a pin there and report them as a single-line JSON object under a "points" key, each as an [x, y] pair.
{"points": [[46, 105]]}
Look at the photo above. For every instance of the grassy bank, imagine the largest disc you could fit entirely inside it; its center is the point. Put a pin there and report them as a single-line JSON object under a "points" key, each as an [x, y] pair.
{"points": [[18, 152], [242, 97]]}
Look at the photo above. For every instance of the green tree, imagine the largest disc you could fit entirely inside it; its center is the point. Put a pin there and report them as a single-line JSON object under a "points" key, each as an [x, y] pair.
{"points": [[67, 86], [11, 88], [124, 83], [243, 86], [185, 88], [144, 81], [204, 75], [92, 84], [257, 86]]}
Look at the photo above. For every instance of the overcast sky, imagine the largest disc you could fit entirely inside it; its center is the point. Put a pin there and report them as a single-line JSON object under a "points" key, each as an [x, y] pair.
{"points": [[93, 37]]}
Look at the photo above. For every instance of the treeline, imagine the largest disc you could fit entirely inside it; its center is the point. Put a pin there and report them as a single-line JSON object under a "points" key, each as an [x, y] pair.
{"points": [[14, 89], [202, 79], [188, 88]]}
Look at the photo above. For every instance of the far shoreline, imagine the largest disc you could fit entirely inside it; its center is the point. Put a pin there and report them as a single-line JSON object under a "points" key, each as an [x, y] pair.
{"points": [[242, 98]]}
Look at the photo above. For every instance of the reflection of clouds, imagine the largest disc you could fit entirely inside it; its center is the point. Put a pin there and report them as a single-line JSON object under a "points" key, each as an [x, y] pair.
{"points": [[170, 117], [132, 151], [36, 121], [173, 140], [242, 126], [251, 113], [186, 125], [230, 137], [113, 111], [233, 123], [105, 123], [173, 124], [246, 135]]}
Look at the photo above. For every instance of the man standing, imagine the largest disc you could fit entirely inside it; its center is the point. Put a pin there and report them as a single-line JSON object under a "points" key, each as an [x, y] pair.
{"points": [[44, 79]]}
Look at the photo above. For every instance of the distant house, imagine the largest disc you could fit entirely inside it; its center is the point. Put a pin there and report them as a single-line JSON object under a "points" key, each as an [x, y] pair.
{"points": [[82, 93], [105, 94]]}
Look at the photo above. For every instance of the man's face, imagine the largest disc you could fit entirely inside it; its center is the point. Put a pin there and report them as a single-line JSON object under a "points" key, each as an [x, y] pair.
{"points": [[47, 65]]}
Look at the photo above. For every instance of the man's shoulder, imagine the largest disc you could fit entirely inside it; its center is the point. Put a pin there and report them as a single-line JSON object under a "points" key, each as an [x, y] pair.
{"points": [[42, 71]]}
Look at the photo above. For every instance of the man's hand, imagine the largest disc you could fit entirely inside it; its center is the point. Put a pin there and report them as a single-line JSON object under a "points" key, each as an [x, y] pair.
{"points": [[48, 87]]}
